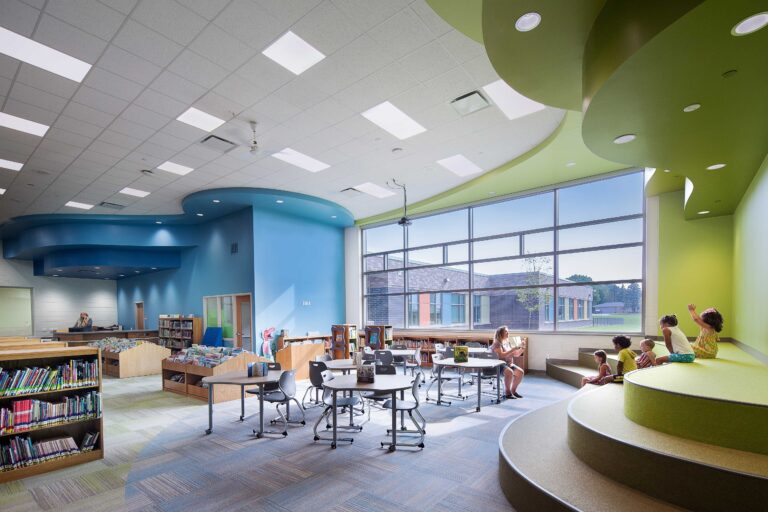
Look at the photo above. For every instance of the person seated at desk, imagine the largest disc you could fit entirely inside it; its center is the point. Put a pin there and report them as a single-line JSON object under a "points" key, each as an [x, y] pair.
{"points": [[84, 323]]}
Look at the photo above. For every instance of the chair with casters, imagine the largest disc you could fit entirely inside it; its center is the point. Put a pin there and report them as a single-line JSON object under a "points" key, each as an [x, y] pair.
{"points": [[369, 357], [378, 397], [341, 402], [399, 360], [316, 369], [384, 357], [411, 408], [414, 365], [285, 394], [488, 374], [473, 344], [448, 374]]}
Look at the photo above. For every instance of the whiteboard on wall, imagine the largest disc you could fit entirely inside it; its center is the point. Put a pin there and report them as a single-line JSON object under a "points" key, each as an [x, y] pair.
{"points": [[15, 311]]}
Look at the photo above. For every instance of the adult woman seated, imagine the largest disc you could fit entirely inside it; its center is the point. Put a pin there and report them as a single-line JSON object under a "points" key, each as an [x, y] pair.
{"points": [[513, 374], [84, 322]]}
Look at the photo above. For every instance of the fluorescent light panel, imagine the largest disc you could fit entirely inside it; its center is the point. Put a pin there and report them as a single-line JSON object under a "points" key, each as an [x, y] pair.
{"points": [[22, 125], [41, 56], [307, 163], [374, 190], [200, 119], [10, 164], [513, 104], [81, 206], [181, 170], [293, 53], [392, 119], [134, 192], [460, 165], [2, 191]]}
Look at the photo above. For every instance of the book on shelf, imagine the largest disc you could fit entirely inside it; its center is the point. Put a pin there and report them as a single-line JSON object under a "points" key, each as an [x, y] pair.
{"points": [[89, 441], [23, 451], [29, 414], [22, 381]]}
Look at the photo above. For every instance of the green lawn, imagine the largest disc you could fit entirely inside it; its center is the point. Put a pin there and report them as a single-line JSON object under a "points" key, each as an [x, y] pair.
{"points": [[632, 323]]}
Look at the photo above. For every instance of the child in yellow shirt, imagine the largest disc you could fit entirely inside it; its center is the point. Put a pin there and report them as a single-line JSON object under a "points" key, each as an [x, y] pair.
{"points": [[626, 359]]}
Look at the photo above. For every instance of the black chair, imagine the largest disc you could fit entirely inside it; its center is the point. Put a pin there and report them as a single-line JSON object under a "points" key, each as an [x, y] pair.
{"points": [[285, 394], [375, 396], [384, 357], [411, 407], [324, 357], [399, 360], [341, 402], [316, 369]]}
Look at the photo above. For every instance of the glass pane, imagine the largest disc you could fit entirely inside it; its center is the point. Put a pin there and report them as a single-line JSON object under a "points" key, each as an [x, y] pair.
{"points": [[384, 282], [602, 199], [395, 260], [496, 248], [212, 312], [438, 309], [458, 252], [16, 311], [525, 213], [383, 238], [432, 256], [539, 242], [524, 309], [531, 271], [613, 308], [605, 265], [624, 232], [227, 317], [384, 310], [436, 229], [374, 263], [454, 277]]}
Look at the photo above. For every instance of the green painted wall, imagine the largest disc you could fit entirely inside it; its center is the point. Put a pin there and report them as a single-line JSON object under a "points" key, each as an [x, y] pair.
{"points": [[695, 263], [750, 271]]}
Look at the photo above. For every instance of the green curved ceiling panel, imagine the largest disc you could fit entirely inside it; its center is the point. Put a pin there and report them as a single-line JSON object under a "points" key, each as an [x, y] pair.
{"points": [[463, 15], [545, 165]]}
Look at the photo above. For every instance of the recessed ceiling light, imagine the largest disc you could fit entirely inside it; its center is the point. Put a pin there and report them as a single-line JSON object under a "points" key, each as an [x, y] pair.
{"points": [[692, 107], [570, 164], [667, 170], [279, 201], [392, 119], [216, 201], [200, 119], [703, 212], [55, 275], [134, 192], [199, 214], [374, 190], [2, 191], [106, 278], [513, 104], [136, 272], [82, 206], [22, 125], [751, 24], [97, 268], [158, 222], [181, 170], [301, 160], [528, 21], [121, 275], [154, 268], [460, 165], [293, 53], [715, 167], [41, 56], [623, 139], [10, 164], [333, 216]]}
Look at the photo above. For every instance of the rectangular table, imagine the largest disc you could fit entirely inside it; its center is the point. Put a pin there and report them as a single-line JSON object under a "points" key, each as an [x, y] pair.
{"points": [[471, 364]]}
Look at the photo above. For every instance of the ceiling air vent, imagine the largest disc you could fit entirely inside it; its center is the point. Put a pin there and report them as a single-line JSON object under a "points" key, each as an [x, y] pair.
{"points": [[111, 206], [469, 103], [218, 144]]}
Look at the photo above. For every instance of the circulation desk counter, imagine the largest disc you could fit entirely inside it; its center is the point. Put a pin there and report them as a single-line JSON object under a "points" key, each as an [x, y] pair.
{"points": [[83, 338]]}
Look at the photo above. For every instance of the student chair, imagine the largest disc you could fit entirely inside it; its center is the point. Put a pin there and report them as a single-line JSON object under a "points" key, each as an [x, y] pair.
{"points": [[213, 337], [383, 357], [341, 402], [411, 407], [316, 369], [285, 394]]}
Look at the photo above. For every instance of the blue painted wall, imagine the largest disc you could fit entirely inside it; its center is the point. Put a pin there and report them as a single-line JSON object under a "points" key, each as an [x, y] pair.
{"points": [[297, 261], [209, 268]]}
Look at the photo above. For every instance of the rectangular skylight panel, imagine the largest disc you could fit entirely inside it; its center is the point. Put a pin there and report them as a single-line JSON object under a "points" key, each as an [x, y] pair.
{"points": [[513, 104], [460, 165], [200, 119], [10, 164], [393, 120], [374, 190], [307, 163], [293, 53], [134, 192], [2, 191], [181, 170], [22, 125], [81, 206], [41, 56]]}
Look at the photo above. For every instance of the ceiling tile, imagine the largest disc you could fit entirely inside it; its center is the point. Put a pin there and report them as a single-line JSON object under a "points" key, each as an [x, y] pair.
{"points": [[78, 126], [46, 81], [18, 17], [250, 23], [88, 114], [327, 29], [144, 117], [8, 66], [177, 87], [428, 62], [169, 141], [68, 39], [170, 19], [401, 34], [129, 66], [240, 90], [140, 40], [198, 69], [5, 87], [376, 88], [132, 129], [120, 139], [431, 19], [105, 160], [68, 137], [50, 145], [460, 46], [161, 103], [265, 74], [300, 94], [88, 15], [367, 14], [218, 46], [106, 148], [219, 106], [124, 6], [27, 111], [99, 100], [208, 9], [156, 151], [184, 131], [112, 84]]}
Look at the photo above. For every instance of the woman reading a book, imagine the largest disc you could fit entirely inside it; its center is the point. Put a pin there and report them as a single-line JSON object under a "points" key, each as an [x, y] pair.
{"points": [[513, 374], [84, 322]]}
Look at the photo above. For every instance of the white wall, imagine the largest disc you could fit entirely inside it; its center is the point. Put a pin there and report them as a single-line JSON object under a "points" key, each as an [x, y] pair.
{"points": [[352, 273], [58, 301]]}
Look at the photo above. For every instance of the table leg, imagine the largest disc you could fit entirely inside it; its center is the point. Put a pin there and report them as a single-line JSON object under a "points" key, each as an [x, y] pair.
{"points": [[498, 384], [333, 444], [261, 411], [393, 446], [479, 380], [439, 383], [210, 409], [242, 403], [402, 413]]}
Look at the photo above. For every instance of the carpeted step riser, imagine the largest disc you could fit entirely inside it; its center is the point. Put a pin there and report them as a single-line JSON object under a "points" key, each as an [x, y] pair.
{"points": [[524, 495], [671, 479], [564, 375]]}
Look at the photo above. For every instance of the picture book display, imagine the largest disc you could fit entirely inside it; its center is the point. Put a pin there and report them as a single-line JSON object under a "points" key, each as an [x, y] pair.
{"points": [[202, 355], [461, 354]]}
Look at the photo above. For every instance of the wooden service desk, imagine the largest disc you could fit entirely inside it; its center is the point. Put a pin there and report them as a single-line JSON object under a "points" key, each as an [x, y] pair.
{"points": [[88, 336], [297, 356]]}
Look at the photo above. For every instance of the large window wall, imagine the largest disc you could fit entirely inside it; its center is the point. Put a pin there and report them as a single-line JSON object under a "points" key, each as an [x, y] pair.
{"points": [[566, 259]]}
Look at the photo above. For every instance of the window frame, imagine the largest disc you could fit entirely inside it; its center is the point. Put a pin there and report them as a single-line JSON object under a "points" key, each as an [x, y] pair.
{"points": [[469, 263]]}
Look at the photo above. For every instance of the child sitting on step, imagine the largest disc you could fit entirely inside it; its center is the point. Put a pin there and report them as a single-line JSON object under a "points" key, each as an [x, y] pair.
{"points": [[680, 351], [626, 362], [647, 357], [603, 370], [710, 322]]}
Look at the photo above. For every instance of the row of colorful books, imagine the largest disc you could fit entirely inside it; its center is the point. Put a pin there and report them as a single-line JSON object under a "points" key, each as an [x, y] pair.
{"points": [[202, 355], [22, 451], [29, 414], [75, 373]]}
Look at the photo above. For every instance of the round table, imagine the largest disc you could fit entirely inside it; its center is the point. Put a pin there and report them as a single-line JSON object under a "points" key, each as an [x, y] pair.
{"points": [[341, 365], [241, 379], [382, 384], [471, 364]]}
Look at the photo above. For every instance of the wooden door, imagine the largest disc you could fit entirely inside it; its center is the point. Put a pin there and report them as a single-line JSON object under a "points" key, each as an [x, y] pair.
{"points": [[243, 322], [139, 316]]}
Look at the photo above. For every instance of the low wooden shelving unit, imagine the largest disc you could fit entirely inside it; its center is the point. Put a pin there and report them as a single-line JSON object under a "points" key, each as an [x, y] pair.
{"points": [[143, 359], [75, 428], [177, 332]]}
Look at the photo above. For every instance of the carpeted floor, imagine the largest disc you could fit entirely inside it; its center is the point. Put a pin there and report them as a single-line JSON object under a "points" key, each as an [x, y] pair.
{"points": [[158, 458]]}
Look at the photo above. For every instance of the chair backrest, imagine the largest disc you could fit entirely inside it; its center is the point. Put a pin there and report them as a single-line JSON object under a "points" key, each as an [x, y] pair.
{"points": [[399, 347], [485, 355], [415, 388], [367, 350], [474, 344], [417, 355], [324, 357], [287, 383], [316, 369], [273, 366], [439, 347], [383, 357], [448, 352], [368, 356], [213, 337], [385, 369]]}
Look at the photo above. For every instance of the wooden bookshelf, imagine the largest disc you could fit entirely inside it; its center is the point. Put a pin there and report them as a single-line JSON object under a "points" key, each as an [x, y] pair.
{"points": [[143, 359], [381, 335], [296, 356], [30, 345], [193, 375], [179, 332], [342, 336], [76, 428]]}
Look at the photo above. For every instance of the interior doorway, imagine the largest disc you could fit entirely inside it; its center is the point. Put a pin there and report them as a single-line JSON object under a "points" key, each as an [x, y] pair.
{"points": [[243, 336], [234, 314], [139, 316]]}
